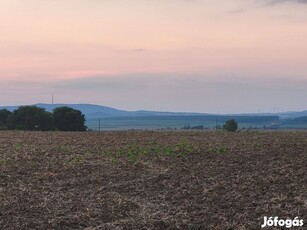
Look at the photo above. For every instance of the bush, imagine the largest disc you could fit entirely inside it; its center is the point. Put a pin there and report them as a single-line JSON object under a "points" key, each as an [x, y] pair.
{"points": [[69, 119], [4, 114], [231, 126], [30, 118]]}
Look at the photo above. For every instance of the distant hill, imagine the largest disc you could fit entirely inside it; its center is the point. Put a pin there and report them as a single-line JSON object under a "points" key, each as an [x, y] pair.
{"points": [[158, 122], [92, 111], [98, 111], [10, 108], [282, 115], [292, 115], [111, 118], [301, 119]]}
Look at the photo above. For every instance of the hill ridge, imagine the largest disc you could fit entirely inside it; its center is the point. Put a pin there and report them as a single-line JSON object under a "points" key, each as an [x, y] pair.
{"points": [[100, 111]]}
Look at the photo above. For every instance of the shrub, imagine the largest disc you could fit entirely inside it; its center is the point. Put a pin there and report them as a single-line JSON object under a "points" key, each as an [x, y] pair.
{"points": [[4, 114], [69, 119], [30, 118], [231, 126]]}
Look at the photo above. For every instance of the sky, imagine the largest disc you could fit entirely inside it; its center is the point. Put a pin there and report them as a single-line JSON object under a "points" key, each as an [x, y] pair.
{"points": [[213, 56]]}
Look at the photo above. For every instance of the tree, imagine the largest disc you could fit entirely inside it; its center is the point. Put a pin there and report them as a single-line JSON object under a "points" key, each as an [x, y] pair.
{"points": [[31, 118], [231, 125], [4, 114], [69, 119]]}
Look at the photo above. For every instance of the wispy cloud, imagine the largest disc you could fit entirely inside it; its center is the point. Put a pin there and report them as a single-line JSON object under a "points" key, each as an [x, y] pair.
{"points": [[282, 1], [248, 6]]}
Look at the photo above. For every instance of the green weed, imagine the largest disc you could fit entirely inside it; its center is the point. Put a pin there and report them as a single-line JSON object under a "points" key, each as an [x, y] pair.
{"points": [[63, 148], [217, 149], [169, 151], [75, 161], [144, 150], [33, 164], [184, 148], [106, 153], [114, 160], [5, 161], [18, 146], [133, 153], [88, 154]]}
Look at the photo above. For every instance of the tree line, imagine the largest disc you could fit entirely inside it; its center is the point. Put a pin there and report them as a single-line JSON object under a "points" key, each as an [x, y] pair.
{"points": [[33, 118]]}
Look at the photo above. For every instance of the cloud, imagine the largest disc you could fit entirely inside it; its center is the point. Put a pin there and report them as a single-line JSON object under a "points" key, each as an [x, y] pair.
{"points": [[236, 11], [281, 1]]}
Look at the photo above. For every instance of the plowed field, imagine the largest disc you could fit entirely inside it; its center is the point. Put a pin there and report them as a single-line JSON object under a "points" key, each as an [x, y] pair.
{"points": [[151, 180]]}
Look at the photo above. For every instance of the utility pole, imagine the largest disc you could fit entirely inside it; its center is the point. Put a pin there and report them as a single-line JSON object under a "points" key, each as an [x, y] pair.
{"points": [[99, 124], [52, 99]]}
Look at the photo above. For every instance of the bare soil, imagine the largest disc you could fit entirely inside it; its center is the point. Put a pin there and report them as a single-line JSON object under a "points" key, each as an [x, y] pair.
{"points": [[151, 180]]}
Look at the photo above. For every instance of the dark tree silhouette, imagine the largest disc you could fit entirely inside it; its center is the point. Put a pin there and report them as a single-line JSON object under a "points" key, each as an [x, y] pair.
{"points": [[231, 125], [31, 118], [4, 114], [69, 119]]}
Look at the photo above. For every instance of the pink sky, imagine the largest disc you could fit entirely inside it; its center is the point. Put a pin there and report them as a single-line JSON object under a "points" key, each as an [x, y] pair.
{"points": [[46, 45]]}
